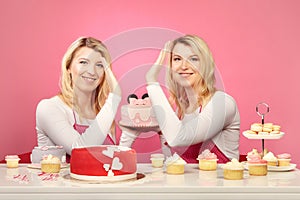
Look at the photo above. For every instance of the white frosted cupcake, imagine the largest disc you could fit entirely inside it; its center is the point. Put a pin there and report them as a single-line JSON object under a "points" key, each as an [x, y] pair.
{"points": [[207, 161], [12, 161], [50, 164], [233, 170], [175, 164], [271, 159], [157, 160]]}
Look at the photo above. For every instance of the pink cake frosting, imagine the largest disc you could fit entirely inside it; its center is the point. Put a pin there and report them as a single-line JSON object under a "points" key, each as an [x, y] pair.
{"points": [[255, 159], [12, 157], [207, 155], [284, 156]]}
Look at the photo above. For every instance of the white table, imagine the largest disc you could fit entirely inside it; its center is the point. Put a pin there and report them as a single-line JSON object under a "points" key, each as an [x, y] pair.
{"points": [[156, 184]]}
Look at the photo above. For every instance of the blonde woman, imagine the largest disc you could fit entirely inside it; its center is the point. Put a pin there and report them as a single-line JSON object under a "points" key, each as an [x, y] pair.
{"points": [[83, 112], [196, 116]]}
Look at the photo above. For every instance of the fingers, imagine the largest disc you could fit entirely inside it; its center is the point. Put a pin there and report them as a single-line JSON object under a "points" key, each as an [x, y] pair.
{"points": [[164, 53], [104, 63], [111, 79], [152, 74]]}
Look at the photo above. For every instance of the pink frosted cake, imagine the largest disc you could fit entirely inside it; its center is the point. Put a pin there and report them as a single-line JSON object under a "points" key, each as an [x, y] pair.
{"points": [[39, 152], [138, 113]]}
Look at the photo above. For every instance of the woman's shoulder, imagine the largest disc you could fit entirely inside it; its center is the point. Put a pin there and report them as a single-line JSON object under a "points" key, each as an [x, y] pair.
{"points": [[51, 103], [223, 95]]}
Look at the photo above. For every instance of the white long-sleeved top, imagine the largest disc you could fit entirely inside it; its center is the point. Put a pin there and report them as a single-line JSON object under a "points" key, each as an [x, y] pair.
{"points": [[55, 120], [219, 121]]}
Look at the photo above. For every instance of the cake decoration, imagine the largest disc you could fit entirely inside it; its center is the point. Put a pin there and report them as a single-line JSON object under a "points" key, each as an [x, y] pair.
{"points": [[138, 112]]}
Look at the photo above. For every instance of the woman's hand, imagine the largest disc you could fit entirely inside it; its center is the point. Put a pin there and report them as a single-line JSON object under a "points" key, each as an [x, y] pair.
{"points": [[111, 79], [152, 74]]}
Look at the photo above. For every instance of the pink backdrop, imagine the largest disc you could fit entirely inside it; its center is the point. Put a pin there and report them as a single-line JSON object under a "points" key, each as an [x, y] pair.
{"points": [[255, 44]]}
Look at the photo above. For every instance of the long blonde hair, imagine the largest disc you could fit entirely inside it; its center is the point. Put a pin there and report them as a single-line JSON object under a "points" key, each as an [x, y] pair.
{"points": [[66, 86], [205, 86]]}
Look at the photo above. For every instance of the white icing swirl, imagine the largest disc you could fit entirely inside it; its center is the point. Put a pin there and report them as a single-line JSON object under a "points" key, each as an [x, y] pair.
{"points": [[233, 165], [270, 157], [175, 159]]}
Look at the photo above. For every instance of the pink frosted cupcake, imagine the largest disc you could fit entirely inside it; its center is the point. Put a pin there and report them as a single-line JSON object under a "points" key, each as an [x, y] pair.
{"points": [[284, 159], [256, 165], [12, 161], [207, 161]]}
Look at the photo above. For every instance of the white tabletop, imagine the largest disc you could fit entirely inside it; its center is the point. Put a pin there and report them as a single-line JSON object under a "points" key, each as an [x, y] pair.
{"points": [[27, 183]]}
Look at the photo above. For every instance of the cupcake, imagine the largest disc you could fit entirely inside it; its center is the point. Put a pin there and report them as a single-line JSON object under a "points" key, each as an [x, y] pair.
{"points": [[12, 161], [284, 159], [233, 170], [256, 165], [271, 159], [207, 161], [175, 164], [157, 160], [50, 164]]}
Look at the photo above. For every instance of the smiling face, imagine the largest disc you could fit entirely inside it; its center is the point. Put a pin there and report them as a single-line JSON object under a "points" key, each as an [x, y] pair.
{"points": [[185, 64], [86, 70]]}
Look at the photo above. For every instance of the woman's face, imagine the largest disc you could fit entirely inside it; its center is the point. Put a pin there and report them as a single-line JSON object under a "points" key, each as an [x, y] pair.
{"points": [[87, 69], [185, 64]]}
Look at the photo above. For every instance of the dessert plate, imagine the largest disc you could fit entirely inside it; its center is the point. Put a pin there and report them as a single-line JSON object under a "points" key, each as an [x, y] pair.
{"points": [[261, 136], [282, 168], [277, 168], [38, 166], [138, 177]]}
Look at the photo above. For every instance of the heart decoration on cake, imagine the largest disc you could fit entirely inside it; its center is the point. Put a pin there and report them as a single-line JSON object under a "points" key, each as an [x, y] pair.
{"points": [[109, 152], [116, 164], [106, 167], [103, 162]]}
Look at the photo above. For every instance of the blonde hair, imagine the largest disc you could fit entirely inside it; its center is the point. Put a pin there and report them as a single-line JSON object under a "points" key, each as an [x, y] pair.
{"points": [[205, 86], [66, 86]]}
